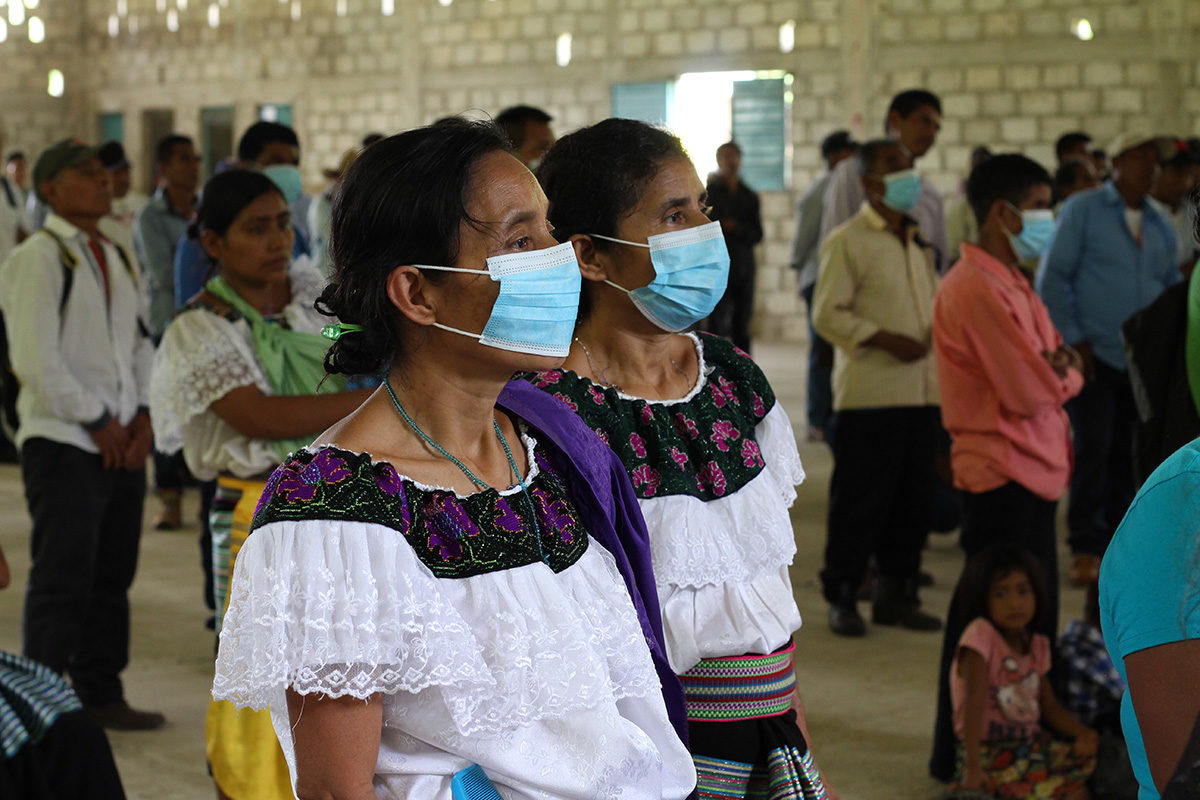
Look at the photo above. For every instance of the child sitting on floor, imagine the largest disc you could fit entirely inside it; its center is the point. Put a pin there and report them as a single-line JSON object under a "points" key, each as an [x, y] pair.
{"points": [[1000, 693]]}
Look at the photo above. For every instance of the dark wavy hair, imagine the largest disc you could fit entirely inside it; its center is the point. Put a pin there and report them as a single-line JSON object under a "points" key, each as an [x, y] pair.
{"points": [[401, 202], [595, 176], [996, 563]]}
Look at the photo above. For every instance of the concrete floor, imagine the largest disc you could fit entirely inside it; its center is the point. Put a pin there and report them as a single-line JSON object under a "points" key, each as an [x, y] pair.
{"points": [[870, 701]]}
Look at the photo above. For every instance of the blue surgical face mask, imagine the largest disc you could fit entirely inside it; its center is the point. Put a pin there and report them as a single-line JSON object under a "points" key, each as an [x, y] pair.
{"points": [[901, 190], [287, 178], [539, 299], [691, 269], [1037, 229]]}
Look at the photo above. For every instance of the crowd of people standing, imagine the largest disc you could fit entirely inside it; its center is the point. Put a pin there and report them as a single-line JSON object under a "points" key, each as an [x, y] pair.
{"points": [[489, 480]]}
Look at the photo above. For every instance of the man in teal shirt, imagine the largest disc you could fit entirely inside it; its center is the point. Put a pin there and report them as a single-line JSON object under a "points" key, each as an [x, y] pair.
{"points": [[1111, 256]]}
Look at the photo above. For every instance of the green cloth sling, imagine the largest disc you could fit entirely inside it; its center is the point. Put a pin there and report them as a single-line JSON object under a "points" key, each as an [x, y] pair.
{"points": [[293, 361], [1192, 340]]}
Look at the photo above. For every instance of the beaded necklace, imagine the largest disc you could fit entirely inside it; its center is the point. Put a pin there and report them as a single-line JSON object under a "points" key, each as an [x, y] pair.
{"points": [[537, 533]]}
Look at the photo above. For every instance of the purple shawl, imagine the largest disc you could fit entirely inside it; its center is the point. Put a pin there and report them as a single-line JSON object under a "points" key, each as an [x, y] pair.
{"points": [[600, 487]]}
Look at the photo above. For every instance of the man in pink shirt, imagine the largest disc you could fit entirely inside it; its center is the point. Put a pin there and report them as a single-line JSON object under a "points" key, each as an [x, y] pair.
{"points": [[1005, 374]]}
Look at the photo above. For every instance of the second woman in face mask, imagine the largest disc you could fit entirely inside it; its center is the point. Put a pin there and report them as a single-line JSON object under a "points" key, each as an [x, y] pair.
{"points": [[709, 450], [461, 554]]}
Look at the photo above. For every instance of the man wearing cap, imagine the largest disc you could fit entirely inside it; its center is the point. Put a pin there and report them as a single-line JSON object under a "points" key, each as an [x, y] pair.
{"points": [[835, 148], [14, 223], [1112, 254], [73, 312], [118, 225]]}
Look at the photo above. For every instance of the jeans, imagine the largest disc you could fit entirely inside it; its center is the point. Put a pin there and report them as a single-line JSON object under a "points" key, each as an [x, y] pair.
{"points": [[820, 371], [87, 525]]}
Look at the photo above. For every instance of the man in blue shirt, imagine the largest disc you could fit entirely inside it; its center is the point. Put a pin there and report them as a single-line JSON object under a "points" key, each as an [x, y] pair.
{"points": [[1111, 256]]}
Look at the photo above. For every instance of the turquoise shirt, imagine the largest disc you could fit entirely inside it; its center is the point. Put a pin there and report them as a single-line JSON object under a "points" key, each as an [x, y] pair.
{"points": [[1150, 580]]}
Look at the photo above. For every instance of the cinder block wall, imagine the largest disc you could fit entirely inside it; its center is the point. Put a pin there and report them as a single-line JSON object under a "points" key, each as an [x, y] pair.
{"points": [[1011, 74]]}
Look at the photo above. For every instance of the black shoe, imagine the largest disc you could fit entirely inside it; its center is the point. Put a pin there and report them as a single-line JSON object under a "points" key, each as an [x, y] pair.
{"points": [[905, 615], [844, 620], [118, 716]]}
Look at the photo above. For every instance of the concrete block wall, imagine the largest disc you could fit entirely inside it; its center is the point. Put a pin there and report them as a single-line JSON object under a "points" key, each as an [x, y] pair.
{"points": [[1009, 72]]}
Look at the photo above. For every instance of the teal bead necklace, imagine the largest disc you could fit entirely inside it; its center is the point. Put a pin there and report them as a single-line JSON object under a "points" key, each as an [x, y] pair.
{"points": [[537, 533]]}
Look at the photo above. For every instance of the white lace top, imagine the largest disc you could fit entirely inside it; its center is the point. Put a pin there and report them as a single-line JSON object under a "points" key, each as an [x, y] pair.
{"points": [[535, 670], [203, 356]]}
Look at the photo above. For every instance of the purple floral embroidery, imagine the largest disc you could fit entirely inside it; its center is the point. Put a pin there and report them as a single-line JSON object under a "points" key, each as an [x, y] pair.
{"points": [[723, 430], [686, 427], [751, 456], [712, 476], [506, 518], [388, 480], [556, 514], [646, 476], [723, 393], [544, 379], [597, 395], [300, 486], [759, 407], [269, 490], [571, 404], [678, 456], [638, 444], [447, 523]]}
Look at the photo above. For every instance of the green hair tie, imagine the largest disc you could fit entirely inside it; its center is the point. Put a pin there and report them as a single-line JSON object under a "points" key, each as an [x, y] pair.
{"points": [[339, 329]]}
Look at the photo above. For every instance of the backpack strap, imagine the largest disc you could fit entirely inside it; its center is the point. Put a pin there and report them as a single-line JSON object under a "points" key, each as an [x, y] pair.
{"points": [[69, 263]]}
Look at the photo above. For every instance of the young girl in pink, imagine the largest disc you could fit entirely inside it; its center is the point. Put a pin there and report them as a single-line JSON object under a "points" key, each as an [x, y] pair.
{"points": [[1000, 693]]}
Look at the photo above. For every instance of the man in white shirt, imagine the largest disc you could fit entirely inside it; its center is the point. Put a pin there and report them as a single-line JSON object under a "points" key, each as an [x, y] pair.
{"points": [[874, 303], [14, 224], [913, 119], [73, 312]]}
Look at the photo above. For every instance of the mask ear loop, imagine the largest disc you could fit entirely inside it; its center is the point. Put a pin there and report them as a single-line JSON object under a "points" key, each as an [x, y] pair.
{"points": [[618, 241]]}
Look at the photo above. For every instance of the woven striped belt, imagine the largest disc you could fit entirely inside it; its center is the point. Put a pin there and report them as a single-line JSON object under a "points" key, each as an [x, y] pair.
{"points": [[740, 687]]}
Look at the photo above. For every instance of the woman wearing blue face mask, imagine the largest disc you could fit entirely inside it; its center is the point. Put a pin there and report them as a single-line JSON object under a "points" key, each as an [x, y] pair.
{"points": [[460, 553], [709, 450]]}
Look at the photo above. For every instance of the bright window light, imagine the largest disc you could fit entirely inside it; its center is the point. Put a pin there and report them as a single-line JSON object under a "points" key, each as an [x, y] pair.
{"points": [[214, 15], [562, 49], [122, 8], [181, 5], [787, 36], [160, 6], [388, 7], [37, 30], [31, 4], [1082, 29], [296, 10], [172, 20], [56, 84], [114, 25], [445, 2], [16, 13], [3, 30], [341, 8]]}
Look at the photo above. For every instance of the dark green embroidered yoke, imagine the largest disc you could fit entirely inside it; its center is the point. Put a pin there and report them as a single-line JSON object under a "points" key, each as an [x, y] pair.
{"points": [[703, 446], [455, 537]]}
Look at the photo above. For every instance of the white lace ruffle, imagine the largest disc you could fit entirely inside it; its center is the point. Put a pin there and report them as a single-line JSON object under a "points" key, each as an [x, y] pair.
{"points": [[202, 358], [346, 608], [736, 538]]}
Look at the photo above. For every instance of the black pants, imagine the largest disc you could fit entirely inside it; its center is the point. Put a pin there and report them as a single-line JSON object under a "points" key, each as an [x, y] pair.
{"points": [[731, 318], [1010, 514], [87, 523], [880, 495], [1103, 416], [170, 471]]}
